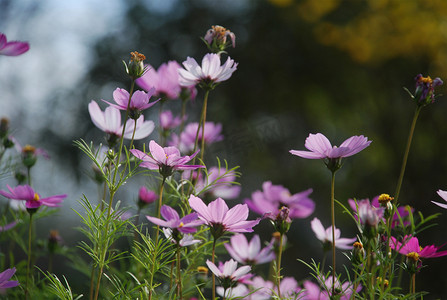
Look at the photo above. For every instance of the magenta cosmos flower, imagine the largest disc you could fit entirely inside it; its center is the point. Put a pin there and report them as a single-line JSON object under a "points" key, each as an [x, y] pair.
{"points": [[210, 73], [212, 134], [411, 248], [14, 48], [5, 283], [166, 160], [220, 218], [325, 236], [273, 198], [443, 195], [139, 101], [33, 199], [109, 121], [187, 224], [320, 148], [165, 80], [249, 253], [146, 196]]}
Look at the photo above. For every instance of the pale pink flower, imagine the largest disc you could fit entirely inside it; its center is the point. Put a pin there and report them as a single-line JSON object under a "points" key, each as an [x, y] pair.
{"points": [[228, 270], [325, 235], [212, 134], [140, 100], [165, 80], [443, 195], [249, 253]]}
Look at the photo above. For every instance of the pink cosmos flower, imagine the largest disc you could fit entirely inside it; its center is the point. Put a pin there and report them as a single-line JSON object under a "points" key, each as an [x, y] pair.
{"points": [[168, 121], [249, 253], [33, 199], [313, 291], [12, 48], [411, 248], [218, 184], [166, 159], [186, 239], [319, 147], [220, 218], [187, 139], [5, 283], [443, 195], [272, 198], [325, 236], [240, 291], [187, 224], [210, 73], [228, 271], [139, 101], [165, 80], [109, 121], [265, 290]]}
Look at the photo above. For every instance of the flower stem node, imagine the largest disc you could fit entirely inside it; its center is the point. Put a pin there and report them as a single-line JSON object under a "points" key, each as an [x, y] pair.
{"points": [[135, 69]]}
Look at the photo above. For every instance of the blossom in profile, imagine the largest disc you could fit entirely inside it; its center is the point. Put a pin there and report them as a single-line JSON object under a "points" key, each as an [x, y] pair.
{"points": [[443, 195], [239, 291], [13, 48], [325, 236], [165, 80], [411, 248], [220, 218], [209, 74], [425, 89], [227, 272], [186, 141], [168, 121], [33, 199], [320, 147], [166, 160], [140, 101], [172, 220], [249, 253], [273, 198], [109, 121], [5, 277]]}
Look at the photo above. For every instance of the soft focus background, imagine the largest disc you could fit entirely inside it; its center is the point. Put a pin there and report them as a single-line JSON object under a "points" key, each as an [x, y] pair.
{"points": [[331, 66]]}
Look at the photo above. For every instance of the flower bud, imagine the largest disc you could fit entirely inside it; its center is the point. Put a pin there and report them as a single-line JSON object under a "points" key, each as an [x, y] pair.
{"points": [[4, 127], [146, 196], [385, 202], [216, 39], [425, 89], [53, 240], [29, 157], [358, 253], [135, 69]]}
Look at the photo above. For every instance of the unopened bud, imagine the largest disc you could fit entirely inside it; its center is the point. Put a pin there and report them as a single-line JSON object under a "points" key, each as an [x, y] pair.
{"points": [[358, 253], [219, 38], [135, 69], [29, 157]]}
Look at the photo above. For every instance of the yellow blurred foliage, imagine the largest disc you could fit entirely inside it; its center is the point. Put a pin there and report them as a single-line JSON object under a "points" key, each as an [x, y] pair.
{"points": [[374, 31]]}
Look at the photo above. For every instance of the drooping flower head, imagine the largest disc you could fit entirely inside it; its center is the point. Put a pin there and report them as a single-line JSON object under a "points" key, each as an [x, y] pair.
{"points": [[414, 252], [425, 89], [325, 236], [249, 253], [443, 195], [33, 199], [166, 160], [212, 134], [139, 101], [209, 74], [220, 219], [227, 272], [109, 121], [5, 283], [271, 201], [165, 80], [13, 48], [218, 38], [320, 148]]}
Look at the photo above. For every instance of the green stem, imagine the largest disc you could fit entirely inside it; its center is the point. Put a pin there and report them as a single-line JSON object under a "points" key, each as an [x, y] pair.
{"points": [[201, 122], [407, 151], [278, 265], [28, 265], [333, 229], [413, 284], [179, 275], [205, 104], [213, 254]]}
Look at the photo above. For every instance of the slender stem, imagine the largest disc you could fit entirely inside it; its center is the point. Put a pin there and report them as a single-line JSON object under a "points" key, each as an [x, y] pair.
{"points": [[179, 275], [160, 198], [92, 282], [205, 104], [201, 122], [29, 175], [407, 151], [213, 254], [30, 233], [333, 229], [278, 265], [413, 284]]}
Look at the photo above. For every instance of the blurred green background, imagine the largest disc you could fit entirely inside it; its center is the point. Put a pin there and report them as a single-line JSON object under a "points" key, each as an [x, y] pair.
{"points": [[332, 66]]}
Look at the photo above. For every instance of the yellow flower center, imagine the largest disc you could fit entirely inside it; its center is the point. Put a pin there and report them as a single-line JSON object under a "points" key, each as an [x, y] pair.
{"points": [[202, 269], [426, 80], [137, 57], [413, 256], [29, 149], [181, 225], [358, 245], [385, 198], [36, 197]]}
